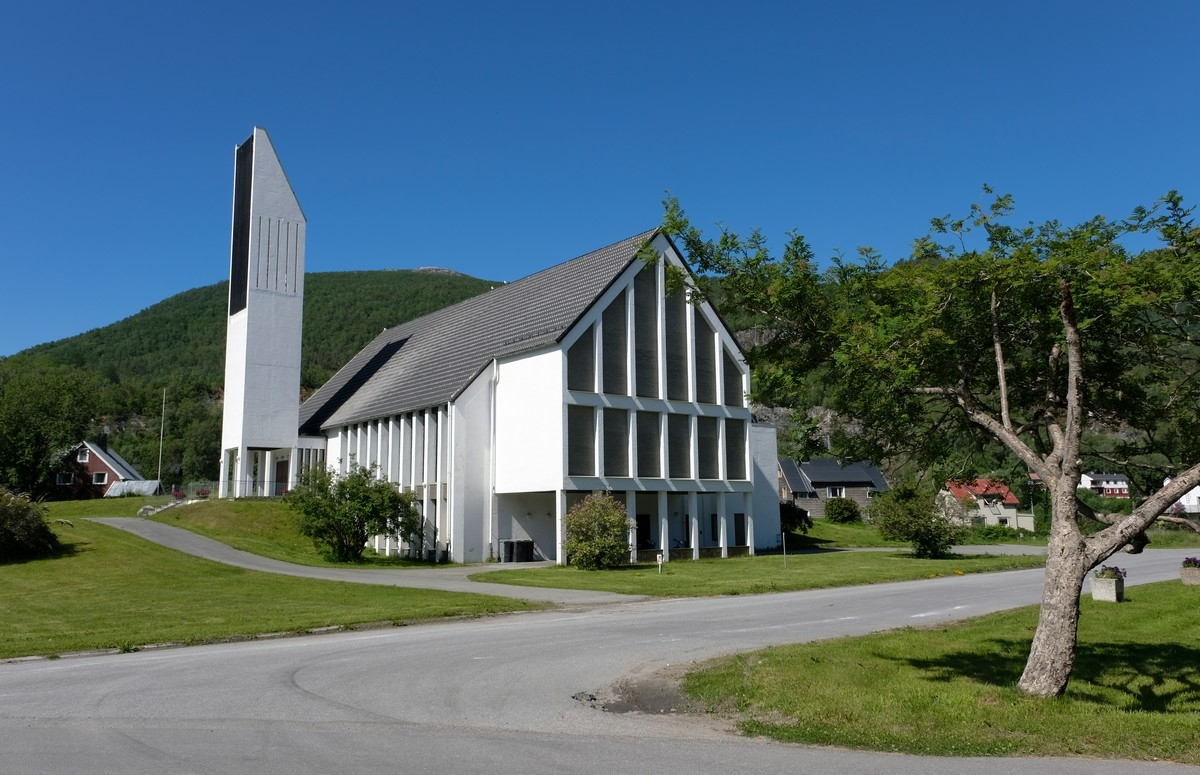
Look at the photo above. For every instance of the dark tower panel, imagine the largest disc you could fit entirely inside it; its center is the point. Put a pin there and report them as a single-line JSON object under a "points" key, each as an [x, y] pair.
{"points": [[239, 262]]}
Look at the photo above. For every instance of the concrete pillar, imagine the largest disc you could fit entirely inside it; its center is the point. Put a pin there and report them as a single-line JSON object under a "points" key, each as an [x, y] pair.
{"points": [[631, 514], [693, 516], [664, 527], [560, 515], [748, 508], [723, 523]]}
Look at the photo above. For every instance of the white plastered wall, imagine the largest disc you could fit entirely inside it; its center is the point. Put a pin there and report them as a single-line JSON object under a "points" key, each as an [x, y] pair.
{"points": [[529, 423]]}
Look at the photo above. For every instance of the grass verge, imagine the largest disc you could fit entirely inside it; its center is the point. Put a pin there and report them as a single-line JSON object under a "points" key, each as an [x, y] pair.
{"points": [[950, 691], [755, 575], [110, 589]]}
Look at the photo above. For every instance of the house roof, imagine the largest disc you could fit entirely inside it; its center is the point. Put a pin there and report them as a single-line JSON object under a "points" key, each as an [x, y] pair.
{"points": [[791, 474], [118, 464], [1116, 478], [430, 360], [810, 475], [981, 488]]}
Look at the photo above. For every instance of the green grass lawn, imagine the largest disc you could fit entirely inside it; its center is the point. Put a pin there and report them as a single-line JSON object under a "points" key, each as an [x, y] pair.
{"points": [[950, 691], [754, 575], [101, 507], [257, 525], [111, 589]]}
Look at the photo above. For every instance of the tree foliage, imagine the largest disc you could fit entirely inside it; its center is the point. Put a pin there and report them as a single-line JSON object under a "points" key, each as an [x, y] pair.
{"points": [[909, 513], [597, 533], [339, 513], [842, 511], [24, 534], [45, 408], [1038, 340]]}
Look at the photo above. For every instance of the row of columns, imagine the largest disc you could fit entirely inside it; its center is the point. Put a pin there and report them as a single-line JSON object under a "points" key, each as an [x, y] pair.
{"points": [[664, 525], [412, 451], [249, 472]]}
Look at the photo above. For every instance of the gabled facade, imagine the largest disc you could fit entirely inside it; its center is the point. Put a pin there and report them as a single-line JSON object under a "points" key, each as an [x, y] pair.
{"points": [[989, 502], [93, 470], [501, 412], [1106, 485], [809, 484]]}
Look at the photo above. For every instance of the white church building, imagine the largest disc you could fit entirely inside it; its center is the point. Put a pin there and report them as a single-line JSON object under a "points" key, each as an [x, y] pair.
{"points": [[502, 411]]}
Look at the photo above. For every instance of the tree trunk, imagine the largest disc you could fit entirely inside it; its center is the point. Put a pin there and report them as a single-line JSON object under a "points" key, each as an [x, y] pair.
{"points": [[1052, 655]]}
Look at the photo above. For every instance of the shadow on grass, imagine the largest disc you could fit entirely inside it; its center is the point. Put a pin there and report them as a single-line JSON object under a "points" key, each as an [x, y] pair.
{"points": [[1154, 678]]}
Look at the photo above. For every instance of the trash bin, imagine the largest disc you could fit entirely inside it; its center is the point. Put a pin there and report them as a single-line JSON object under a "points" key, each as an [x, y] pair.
{"points": [[506, 550], [522, 551]]}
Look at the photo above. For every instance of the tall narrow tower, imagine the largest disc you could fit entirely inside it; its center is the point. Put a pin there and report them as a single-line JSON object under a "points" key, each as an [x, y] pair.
{"points": [[262, 343]]}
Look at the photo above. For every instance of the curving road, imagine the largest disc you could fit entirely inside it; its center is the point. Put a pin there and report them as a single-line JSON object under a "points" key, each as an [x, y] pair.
{"points": [[492, 695]]}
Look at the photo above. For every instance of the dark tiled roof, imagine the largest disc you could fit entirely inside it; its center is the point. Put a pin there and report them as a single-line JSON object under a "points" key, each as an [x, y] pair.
{"points": [[824, 472], [428, 361], [796, 481]]}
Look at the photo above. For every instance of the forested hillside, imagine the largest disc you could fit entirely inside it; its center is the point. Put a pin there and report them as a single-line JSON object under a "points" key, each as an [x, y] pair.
{"points": [[186, 333], [178, 345]]}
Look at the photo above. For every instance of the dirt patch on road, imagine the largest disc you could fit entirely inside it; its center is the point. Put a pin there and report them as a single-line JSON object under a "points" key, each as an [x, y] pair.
{"points": [[657, 693]]}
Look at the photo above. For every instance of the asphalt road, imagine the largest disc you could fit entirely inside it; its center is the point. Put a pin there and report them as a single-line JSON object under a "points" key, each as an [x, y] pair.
{"points": [[492, 695]]}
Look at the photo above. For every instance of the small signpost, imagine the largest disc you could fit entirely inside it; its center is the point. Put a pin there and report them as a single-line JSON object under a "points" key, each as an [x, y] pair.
{"points": [[660, 559]]}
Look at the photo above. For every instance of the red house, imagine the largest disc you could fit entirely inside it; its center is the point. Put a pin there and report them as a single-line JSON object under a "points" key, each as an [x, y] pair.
{"points": [[92, 470]]}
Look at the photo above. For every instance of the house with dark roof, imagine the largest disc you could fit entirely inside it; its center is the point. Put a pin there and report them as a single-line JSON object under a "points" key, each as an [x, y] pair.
{"points": [[1105, 485], [503, 411], [94, 470], [809, 484]]}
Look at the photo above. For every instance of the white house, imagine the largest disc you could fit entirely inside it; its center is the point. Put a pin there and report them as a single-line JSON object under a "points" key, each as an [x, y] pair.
{"points": [[501, 412], [989, 502], [1105, 485]]}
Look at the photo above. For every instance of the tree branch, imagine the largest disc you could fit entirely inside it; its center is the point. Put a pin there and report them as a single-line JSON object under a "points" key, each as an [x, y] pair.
{"points": [[998, 347]]}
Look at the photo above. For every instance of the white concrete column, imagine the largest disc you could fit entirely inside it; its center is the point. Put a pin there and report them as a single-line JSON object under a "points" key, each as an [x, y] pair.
{"points": [[560, 536], [748, 508], [240, 473], [723, 523], [660, 283], [293, 469], [694, 530], [664, 527], [393, 468], [690, 327], [223, 481], [631, 514]]}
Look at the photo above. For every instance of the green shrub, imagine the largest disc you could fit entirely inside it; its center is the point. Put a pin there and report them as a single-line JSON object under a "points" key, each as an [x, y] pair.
{"points": [[339, 513], [908, 513], [24, 534], [842, 510], [597, 533], [995, 533]]}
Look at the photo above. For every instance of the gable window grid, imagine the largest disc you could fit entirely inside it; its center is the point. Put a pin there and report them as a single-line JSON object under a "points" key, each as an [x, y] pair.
{"points": [[835, 492], [64, 479], [100, 477], [83, 455]]}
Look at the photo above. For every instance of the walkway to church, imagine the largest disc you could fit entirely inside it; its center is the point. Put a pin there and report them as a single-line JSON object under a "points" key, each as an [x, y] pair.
{"points": [[451, 579]]}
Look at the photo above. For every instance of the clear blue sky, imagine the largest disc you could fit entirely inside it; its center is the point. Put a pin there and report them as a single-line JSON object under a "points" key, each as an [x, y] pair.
{"points": [[498, 138]]}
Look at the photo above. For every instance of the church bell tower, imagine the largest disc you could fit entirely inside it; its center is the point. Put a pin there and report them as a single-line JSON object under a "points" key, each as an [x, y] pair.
{"points": [[262, 343]]}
